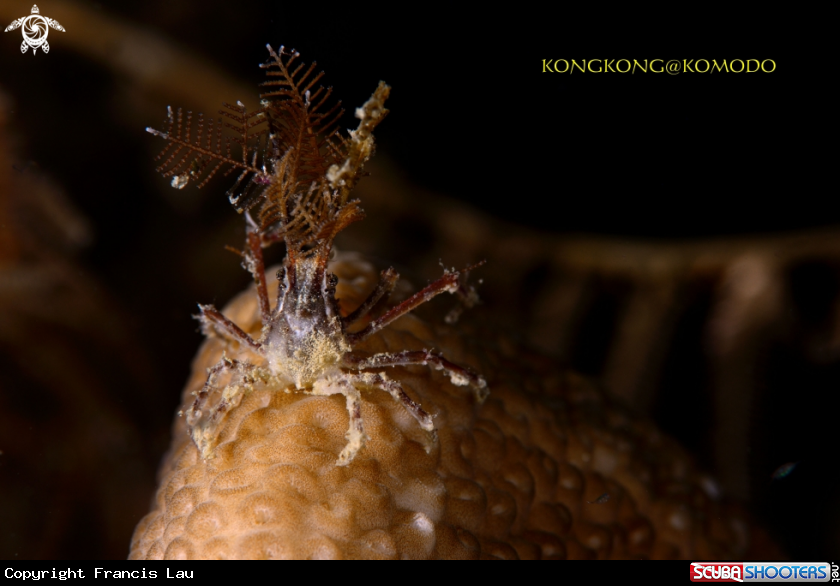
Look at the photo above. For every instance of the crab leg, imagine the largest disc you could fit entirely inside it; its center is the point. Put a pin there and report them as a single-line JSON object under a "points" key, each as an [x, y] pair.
{"points": [[387, 281], [381, 381], [195, 413], [459, 375], [447, 283], [256, 266], [228, 400], [212, 320], [355, 433], [202, 426]]}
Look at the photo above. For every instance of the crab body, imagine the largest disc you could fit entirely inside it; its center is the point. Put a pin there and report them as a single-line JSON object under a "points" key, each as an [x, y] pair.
{"points": [[305, 338]]}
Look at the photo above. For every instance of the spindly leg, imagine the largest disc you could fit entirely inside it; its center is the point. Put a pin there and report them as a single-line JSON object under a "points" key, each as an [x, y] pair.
{"points": [[212, 320], [459, 375], [231, 394], [252, 261], [202, 426], [256, 266], [195, 412], [355, 433], [447, 283], [387, 281], [346, 386], [466, 294], [381, 381]]}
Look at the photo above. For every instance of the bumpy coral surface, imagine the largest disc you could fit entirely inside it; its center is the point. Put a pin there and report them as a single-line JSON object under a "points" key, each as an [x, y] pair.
{"points": [[545, 468]]}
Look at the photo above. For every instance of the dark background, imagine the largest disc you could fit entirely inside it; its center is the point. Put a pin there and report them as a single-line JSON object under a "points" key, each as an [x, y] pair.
{"points": [[473, 118]]}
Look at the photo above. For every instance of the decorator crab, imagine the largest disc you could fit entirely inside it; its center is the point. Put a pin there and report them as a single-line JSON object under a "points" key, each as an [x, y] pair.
{"points": [[296, 172]]}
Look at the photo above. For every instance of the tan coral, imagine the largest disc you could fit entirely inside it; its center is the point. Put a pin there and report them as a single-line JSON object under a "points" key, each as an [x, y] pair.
{"points": [[546, 468]]}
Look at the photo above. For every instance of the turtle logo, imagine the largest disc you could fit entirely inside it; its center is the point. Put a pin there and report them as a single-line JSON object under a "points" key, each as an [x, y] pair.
{"points": [[35, 29]]}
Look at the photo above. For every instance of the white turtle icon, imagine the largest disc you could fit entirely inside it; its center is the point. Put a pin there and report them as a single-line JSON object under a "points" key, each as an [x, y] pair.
{"points": [[35, 29]]}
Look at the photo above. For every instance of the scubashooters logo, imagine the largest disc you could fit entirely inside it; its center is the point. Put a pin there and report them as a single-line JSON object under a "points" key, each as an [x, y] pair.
{"points": [[760, 572]]}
